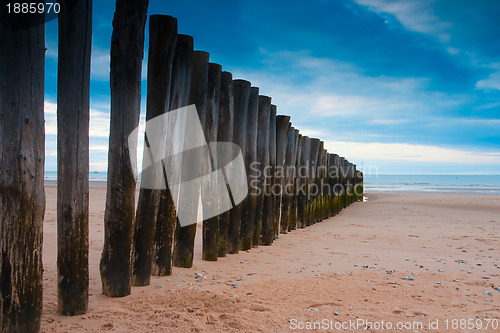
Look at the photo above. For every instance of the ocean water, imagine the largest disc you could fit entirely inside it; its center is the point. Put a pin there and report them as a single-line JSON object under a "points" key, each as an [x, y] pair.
{"points": [[93, 176], [393, 183], [433, 184]]}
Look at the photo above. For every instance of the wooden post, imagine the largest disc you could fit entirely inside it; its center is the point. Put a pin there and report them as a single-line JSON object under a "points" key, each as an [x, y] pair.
{"points": [[127, 46], [336, 183], [303, 174], [250, 203], [241, 90], [313, 188], [331, 184], [321, 182], [162, 40], [263, 232], [289, 170], [287, 181], [211, 225], [73, 82], [22, 197], [342, 193], [296, 183], [274, 188], [184, 238], [291, 176], [225, 134], [326, 186], [166, 222], [282, 127], [360, 189]]}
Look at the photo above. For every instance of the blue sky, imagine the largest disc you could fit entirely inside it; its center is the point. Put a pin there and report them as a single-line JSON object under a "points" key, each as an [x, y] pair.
{"points": [[405, 87]]}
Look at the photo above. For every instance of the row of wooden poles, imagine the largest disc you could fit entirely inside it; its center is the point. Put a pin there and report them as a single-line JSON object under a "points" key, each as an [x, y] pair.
{"points": [[293, 181]]}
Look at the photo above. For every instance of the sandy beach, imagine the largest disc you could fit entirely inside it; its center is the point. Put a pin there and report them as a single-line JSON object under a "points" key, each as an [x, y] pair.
{"points": [[429, 262]]}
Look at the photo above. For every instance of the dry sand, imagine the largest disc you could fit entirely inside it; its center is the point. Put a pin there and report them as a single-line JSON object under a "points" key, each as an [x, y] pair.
{"points": [[345, 270]]}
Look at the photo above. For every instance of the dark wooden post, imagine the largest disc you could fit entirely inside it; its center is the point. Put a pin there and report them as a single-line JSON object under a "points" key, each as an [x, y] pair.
{"points": [[282, 127], [330, 172], [162, 40], [225, 134], [250, 203], [73, 82], [352, 173], [342, 182], [287, 181], [320, 215], [211, 225], [325, 187], [303, 174], [241, 90], [127, 46], [360, 189], [274, 180], [313, 187], [288, 173], [166, 222], [263, 222], [22, 197], [291, 174], [297, 182], [184, 238], [336, 184]]}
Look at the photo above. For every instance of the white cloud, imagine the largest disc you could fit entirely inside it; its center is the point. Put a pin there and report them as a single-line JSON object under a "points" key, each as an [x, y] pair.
{"points": [[491, 83], [403, 152], [99, 64], [413, 15], [98, 127]]}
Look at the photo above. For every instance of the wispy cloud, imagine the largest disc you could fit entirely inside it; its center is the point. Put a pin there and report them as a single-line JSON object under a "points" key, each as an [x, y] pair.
{"points": [[413, 15], [98, 127], [492, 82], [99, 64], [403, 152]]}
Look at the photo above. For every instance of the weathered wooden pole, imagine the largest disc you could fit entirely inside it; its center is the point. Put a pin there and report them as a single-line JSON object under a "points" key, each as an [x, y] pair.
{"points": [[325, 185], [335, 170], [303, 174], [342, 182], [291, 161], [316, 197], [73, 83], [275, 193], [127, 48], [331, 180], [22, 149], [313, 187], [250, 203], [166, 222], [262, 234], [211, 225], [297, 185], [349, 183], [225, 134], [184, 237], [241, 91], [360, 189], [352, 174], [321, 183], [288, 174], [162, 40], [327, 191], [282, 127]]}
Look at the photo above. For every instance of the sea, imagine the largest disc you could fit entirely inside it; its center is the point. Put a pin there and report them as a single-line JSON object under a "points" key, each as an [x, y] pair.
{"points": [[465, 184], [391, 183]]}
